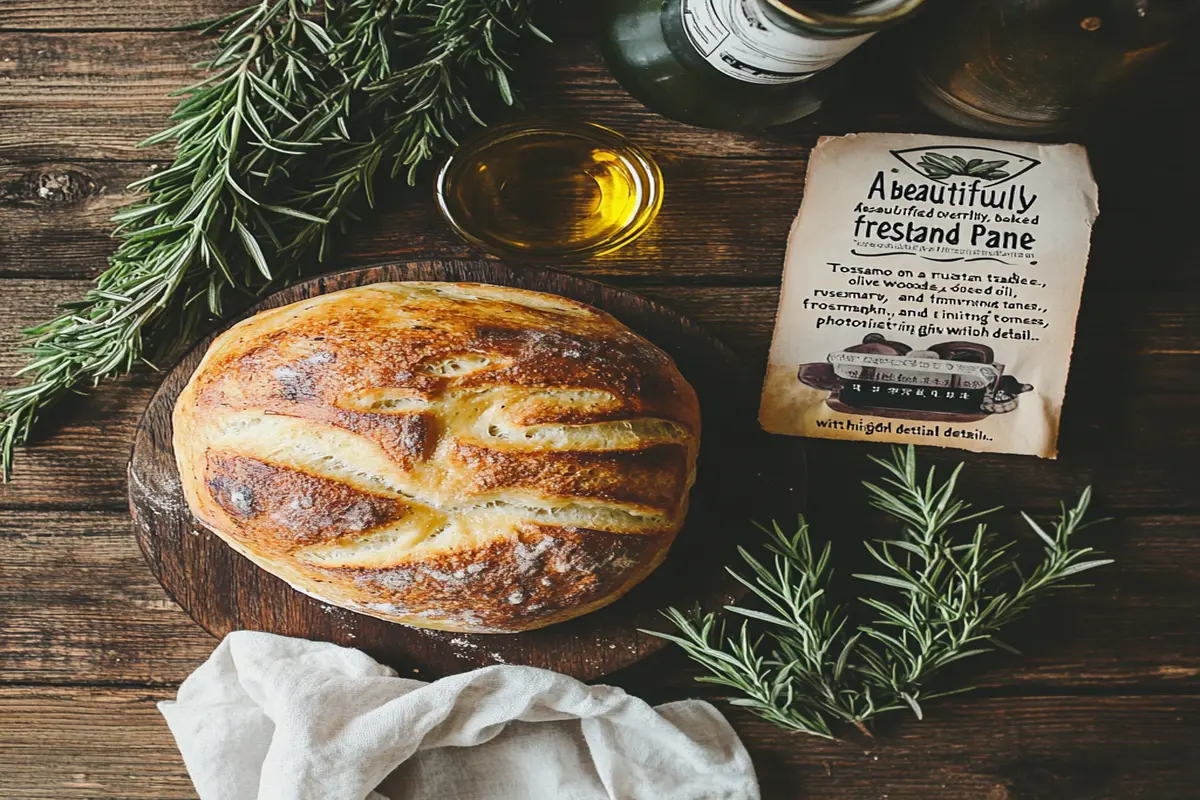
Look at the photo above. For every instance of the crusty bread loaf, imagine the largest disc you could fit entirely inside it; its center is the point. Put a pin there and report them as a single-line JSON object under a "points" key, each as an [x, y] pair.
{"points": [[456, 456]]}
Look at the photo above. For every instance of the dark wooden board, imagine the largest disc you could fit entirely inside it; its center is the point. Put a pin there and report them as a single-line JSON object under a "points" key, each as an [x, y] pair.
{"points": [[223, 591]]}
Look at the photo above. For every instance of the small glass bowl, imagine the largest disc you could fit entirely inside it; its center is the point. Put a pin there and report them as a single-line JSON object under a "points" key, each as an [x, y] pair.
{"points": [[549, 190]]}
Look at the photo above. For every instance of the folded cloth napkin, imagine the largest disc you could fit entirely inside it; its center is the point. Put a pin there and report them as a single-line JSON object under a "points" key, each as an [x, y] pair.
{"points": [[271, 717]]}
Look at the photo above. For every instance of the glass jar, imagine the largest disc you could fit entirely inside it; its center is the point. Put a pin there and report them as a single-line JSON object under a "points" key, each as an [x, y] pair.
{"points": [[1028, 67]]}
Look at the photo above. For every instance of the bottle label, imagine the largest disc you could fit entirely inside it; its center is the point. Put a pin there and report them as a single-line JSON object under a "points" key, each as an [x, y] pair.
{"points": [[741, 41]]}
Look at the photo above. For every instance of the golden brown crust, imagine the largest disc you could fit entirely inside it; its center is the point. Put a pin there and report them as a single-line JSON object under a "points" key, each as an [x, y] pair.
{"points": [[648, 478], [456, 456], [278, 511], [541, 575]]}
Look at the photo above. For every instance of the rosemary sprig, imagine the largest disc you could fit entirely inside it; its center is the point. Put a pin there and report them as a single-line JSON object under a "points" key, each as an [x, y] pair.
{"points": [[303, 104], [947, 596], [414, 111], [178, 243]]}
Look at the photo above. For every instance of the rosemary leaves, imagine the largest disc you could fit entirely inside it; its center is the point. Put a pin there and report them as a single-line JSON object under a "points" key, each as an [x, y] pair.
{"points": [[275, 151], [948, 593]]}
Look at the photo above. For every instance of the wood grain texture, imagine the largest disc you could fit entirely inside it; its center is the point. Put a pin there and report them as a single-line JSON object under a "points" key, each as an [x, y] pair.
{"points": [[82, 608], [1112, 748], [71, 96], [724, 219], [77, 606], [96, 95], [1151, 336], [70, 99], [1134, 378], [1052, 748], [558, 17], [56, 217], [223, 591], [84, 15], [87, 742], [52, 233]]}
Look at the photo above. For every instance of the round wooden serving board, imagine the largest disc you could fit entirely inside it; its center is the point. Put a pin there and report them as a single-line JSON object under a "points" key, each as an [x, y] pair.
{"points": [[743, 473]]}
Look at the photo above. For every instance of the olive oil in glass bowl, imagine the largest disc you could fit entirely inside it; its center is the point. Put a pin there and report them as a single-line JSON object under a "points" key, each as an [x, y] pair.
{"points": [[548, 190]]}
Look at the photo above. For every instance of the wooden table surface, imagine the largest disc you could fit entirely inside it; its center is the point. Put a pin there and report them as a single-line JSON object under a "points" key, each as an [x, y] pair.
{"points": [[1105, 702]]}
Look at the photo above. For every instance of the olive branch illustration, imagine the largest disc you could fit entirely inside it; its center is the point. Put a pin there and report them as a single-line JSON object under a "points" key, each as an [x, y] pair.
{"points": [[937, 165]]}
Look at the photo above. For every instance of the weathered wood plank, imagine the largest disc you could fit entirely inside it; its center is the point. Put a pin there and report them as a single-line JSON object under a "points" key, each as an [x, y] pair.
{"points": [[102, 92], [91, 449], [557, 17], [91, 743], [54, 222], [1037, 749], [55, 218], [723, 219], [87, 743], [71, 97], [1135, 375], [78, 15], [95, 95], [80, 462], [82, 607]]}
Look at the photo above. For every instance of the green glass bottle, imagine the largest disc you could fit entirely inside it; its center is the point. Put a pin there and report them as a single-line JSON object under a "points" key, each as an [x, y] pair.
{"points": [[737, 64]]}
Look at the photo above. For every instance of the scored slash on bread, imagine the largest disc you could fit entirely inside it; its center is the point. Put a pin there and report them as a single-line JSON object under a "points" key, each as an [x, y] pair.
{"points": [[456, 456]]}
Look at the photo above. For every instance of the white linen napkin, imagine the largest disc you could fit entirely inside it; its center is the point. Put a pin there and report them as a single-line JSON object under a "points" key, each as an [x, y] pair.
{"points": [[271, 717]]}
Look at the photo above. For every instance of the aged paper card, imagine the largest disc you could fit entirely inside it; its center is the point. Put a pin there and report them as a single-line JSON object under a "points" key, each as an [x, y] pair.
{"points": [[930, 293]]}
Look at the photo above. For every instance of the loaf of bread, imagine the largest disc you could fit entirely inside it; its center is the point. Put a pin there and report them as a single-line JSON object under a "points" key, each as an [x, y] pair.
{"points": [[456, 456]]}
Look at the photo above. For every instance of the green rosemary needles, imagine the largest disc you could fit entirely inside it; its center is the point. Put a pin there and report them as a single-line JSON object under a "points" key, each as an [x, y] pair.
{"points": [[947, 590], [275, 151]]}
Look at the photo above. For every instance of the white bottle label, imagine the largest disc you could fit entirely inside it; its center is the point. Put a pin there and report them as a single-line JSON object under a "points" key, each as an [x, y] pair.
{"points": [[739, 40]]}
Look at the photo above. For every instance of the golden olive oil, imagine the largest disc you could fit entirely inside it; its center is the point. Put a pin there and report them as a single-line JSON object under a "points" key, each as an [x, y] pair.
{"points": [[550, 191]]}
